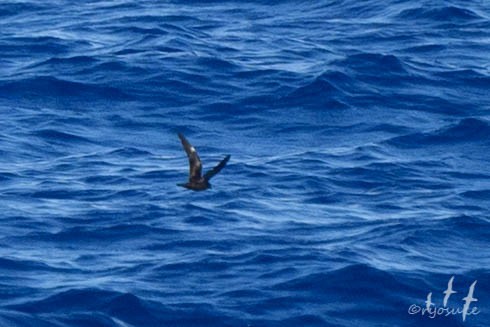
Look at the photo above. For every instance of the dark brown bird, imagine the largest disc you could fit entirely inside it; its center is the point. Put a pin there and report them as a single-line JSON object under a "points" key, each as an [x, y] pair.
{"points": [[197, 182]]}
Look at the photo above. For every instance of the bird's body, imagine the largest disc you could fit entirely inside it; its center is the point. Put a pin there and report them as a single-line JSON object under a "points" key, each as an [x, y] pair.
{"points": [[197, 181], [199, 185]]}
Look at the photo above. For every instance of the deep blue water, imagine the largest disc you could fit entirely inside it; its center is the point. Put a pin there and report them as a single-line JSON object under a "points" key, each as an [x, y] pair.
{"points": [[359, 180]]}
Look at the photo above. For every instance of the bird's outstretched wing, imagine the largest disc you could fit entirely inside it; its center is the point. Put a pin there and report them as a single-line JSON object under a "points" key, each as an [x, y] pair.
{"points": [[195, 166], [216, 169]]}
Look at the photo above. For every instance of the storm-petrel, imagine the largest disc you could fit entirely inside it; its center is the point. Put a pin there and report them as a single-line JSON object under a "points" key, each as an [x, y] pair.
{"points": [[197, 182]]}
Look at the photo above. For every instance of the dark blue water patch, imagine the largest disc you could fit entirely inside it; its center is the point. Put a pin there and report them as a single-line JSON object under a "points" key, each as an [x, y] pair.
{"points": [[319, 94], [112, 304], [382, 74], [477, 195], [387, 128], [468, 130], [7, 176], [11, 9], [183, 243], [177, 87], [467, 77], [426, 48], [337, 287], [147, 32], [129, 152], [373, 63], [11, 318], [467, 224], [317, 87], [88, 319], [430, 104], [142, 312], [380, 175], [440, 14], [33, 266], [54, 87], [51, 135], [93, 69], [45, 45], [88, 195], [436, 233], [68, 62], [305, 320], [218, 65], [112, 234]]}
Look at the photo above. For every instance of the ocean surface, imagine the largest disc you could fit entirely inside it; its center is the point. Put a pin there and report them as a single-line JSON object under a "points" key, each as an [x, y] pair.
{"points": [[359, 179]]}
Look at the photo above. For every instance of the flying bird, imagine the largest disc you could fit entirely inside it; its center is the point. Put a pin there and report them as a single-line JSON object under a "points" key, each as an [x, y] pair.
{"points": [[197, 182]]}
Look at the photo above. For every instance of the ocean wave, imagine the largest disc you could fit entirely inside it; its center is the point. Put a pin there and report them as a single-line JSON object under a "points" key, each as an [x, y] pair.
{"points": [[110, 303], [55, 87], [374, 63], [440, 14], [55, 135], [41, 45], [28, 266], [466, 130]]}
